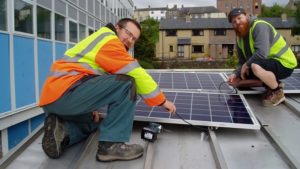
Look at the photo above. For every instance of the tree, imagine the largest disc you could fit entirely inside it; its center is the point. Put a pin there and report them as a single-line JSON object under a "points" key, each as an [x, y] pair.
{"points": [[144, 48], [275, 11]]}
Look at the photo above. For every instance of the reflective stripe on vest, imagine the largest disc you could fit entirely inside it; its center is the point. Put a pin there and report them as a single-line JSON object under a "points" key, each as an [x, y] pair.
{"points": [[85, 51], [279, 49]]}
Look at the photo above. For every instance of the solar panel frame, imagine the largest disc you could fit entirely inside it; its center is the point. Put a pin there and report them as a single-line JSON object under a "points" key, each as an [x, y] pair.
{"points": [[157, 114]]}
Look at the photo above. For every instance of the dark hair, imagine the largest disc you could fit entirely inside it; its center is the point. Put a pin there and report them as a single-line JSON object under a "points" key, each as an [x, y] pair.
{"points": [[124, 21], [235, 12]]}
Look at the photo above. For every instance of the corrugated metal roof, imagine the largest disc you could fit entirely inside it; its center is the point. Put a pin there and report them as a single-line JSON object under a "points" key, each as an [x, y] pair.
{"points": [[275, 146]]}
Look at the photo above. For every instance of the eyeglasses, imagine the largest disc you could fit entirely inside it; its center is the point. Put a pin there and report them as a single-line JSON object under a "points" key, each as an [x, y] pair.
{"points": [[128, 33]]}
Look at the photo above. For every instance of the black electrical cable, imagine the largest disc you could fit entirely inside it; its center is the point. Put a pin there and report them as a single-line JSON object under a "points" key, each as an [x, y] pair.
{"points": [[197, 127], [234, 91]]}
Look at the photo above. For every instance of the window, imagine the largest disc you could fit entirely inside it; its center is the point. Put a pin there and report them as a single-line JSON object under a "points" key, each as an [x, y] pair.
{"points": [[43, 23], [23, 16], [3, 14], [198, 32], [60, 28], [295, 48], [171, 48], [197, 49], [220, 32], [180, 51], [73, 31], [81, 32], [171, 32]]}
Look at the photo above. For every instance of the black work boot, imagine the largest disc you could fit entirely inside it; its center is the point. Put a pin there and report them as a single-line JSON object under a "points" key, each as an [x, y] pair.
{"points": [[55, 137], [109, 151]]}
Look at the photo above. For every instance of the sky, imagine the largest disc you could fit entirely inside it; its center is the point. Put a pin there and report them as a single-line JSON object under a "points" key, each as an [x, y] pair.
{"points": [[191, 3]]}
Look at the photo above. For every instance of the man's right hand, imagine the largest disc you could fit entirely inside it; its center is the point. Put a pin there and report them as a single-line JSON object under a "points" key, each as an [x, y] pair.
{"points": [[231, 79], [170, 107]]}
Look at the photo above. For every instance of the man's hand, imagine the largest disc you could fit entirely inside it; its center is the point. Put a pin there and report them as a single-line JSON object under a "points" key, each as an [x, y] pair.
{"points": [[96, 116], [244, 71], [234, 81], [231, 79], [170, 107]]}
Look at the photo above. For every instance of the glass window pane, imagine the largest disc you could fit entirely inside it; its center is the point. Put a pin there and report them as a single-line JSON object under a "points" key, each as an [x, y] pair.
{"points": [[73, 31], [23, 17], [81, 32], [3, 13], [60, 28], [43, 23]]}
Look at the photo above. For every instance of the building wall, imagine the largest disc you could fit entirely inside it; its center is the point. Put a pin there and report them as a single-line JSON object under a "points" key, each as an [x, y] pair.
{"points": [[33, 34], [252, 7], [164, 43], [214, 47], [141, 15]]}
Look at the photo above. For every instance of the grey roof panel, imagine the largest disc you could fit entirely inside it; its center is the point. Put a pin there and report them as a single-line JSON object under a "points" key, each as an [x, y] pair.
{"points": [[217, 23]]}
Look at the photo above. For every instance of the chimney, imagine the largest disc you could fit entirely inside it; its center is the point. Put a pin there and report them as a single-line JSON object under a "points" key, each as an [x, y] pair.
{"points": [[148, 6], [182, 6], [283, 17], [175, 6]]}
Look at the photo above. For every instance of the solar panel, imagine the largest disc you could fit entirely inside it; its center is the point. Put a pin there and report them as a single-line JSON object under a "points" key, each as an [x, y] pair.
{"points": [[203, 109], [291, 85], [191, 81]]}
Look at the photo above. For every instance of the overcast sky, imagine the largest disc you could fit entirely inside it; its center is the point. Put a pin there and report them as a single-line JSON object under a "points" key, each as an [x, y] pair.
{"points": [[190, 3]]}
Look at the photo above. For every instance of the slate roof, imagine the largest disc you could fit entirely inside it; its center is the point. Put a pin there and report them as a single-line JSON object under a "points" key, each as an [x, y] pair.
{"points": [[217, 23]]}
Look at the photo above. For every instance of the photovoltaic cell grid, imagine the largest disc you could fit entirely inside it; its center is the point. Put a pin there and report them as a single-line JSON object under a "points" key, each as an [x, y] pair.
{"points": [[292, 83], [191, 80], [203, 109]]}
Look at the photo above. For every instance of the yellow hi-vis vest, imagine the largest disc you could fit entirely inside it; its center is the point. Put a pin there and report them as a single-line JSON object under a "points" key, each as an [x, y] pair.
{"points": [[279, 49], [100, 53]]}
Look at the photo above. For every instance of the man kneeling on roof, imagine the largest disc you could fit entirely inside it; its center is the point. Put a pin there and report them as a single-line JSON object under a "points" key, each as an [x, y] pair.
{"points": [[264, 57]]}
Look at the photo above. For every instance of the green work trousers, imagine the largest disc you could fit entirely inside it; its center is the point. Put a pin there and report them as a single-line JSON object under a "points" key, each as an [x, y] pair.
{"points": [[115, 92]]}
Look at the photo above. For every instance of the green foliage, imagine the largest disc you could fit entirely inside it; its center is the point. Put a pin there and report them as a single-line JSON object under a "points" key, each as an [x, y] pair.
{"points": [[297, 13], [275, 11], [145, 47], [146, 65], [232, 61]]}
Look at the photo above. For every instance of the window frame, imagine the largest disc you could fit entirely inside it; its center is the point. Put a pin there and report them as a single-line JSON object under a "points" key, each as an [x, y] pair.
{"points": [[217, 32], [198, 51], [32, 18], [5, 16], [55, 28], [171, 32], [50, 20]]}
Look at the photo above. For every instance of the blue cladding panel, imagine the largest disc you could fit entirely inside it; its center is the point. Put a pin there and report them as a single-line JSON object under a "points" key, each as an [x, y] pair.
{"points": [[60, 49], [45, 59], [5, 104], [36, 121], [24, 71], [17, 133]]}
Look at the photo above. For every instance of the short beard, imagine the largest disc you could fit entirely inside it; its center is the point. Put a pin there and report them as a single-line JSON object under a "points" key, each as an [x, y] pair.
{"points": [[242, 31]]}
